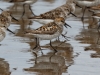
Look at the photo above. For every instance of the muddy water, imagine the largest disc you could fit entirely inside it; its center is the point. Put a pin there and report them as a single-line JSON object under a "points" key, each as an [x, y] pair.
{"points": [[79, 55]]}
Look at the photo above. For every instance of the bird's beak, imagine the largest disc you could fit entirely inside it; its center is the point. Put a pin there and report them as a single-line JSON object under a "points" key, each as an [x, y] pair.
{"points": [[13, 18], [1, 9], [67, 25], [73, 14], [78, 5], [10, 31]]}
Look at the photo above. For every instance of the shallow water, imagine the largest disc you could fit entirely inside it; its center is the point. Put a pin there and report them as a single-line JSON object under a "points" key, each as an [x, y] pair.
{"points": [[79, 55]]}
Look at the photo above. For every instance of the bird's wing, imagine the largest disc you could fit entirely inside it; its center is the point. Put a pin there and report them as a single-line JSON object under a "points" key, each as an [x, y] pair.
{"points": [[49, 15], [50, 29]]}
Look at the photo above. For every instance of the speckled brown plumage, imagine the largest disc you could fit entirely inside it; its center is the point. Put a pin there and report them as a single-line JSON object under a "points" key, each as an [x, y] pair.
{"points": [[61, 11], [50, 30], [3, 20]]}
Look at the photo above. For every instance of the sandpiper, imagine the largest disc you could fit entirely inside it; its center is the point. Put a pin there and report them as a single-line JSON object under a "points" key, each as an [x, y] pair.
{"points": [[85, 4], [48, 31], [24, 2], [62, 11], [5, 19]]}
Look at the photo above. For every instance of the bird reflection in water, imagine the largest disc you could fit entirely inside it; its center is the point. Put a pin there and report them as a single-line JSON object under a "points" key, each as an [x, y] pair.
{"points": [[55, 66], [50, 63], [23, 3], [90, 36], [4, 67]]}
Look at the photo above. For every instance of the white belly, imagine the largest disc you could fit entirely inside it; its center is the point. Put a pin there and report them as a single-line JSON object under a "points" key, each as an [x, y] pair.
{"points": [[43, 21], [85, 3], [47, 37]]}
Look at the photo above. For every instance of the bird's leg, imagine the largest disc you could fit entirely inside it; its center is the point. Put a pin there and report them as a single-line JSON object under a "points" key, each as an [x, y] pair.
{"points": [[23, 10], [35, 57], [40, 46], [37, 43], [1, 9], [67, 25], [10, 31], [13, 18], [53, 47], [64, 36], [56, 48], [78, 6], [31, 10], [73, 14], [84, 9]]}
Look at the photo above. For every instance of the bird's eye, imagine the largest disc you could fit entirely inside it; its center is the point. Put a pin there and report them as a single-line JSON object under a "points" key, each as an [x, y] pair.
{"points": [[3, 26], [62, 21]]}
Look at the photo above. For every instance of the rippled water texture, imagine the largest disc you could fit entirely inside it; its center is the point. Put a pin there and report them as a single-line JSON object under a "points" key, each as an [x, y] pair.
{"points": [[79, 55]]}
